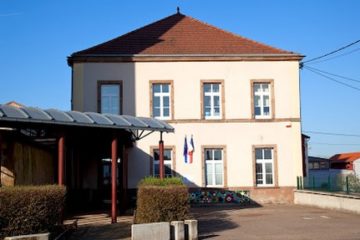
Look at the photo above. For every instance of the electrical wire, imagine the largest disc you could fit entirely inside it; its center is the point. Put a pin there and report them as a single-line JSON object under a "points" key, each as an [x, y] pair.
{"points": [[341, 55], [332, 79], [332, 52], [333, 134], [335, 144], [333, 74]]}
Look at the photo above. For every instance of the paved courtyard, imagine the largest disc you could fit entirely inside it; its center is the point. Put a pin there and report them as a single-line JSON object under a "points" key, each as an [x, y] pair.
{"points": [[267, 222], [277, 222]]}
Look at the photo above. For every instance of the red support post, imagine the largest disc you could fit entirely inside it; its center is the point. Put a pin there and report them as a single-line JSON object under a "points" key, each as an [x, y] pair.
{"points": [[114, 157], [61, 160], [0, 160], [161, 157]]}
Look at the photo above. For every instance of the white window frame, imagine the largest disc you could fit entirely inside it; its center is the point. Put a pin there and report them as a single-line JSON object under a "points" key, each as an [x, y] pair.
{"points": [[156, 162], [161, 95], [213, 163], [111, 96], [212, 95], [262, 94], [263, 162]]}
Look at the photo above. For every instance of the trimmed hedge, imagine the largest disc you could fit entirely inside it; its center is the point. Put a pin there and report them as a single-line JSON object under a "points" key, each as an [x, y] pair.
{"points": [[161, 200], [30, 209]]}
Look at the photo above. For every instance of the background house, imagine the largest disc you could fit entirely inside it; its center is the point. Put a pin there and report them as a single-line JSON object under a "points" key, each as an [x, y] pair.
{"points": [[331, 171], [238, 100], [347, 161], [318, 163]]}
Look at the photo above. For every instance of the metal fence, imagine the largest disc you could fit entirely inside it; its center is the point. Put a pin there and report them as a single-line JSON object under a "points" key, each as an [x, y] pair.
{"points": [[337, 183]]}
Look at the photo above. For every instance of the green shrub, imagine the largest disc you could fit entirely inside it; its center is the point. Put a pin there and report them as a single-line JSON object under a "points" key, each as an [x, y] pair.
{"points": [[161, 200], [154, 181], [30, 209], [354, 183]]}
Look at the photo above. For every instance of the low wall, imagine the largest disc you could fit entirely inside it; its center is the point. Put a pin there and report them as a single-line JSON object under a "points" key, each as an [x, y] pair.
{"points": [[328, 200]]}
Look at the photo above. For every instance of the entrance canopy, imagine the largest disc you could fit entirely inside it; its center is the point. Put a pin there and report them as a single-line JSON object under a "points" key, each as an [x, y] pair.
{"points": [[80, 139], [10, 116]]}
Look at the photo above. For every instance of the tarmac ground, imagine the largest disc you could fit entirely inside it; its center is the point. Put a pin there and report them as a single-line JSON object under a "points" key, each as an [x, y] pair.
{"points": [[275, 222]]}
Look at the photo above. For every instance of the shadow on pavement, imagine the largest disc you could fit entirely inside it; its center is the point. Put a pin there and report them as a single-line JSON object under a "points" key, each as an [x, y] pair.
{"points": [[208, 236], [216, 218]]}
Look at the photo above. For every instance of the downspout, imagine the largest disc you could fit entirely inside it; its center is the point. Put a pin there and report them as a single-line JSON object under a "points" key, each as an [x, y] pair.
{"points": [[72, 88]]}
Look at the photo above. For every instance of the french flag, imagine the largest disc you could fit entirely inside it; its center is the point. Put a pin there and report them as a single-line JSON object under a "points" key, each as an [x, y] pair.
{"points": [[185, 150], [191, 149]]}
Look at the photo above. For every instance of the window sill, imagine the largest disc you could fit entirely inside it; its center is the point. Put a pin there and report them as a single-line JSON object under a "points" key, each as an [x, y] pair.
{"points": [[266, 187], [163, 118], [207, 118], [263, 118], [214, 186]]}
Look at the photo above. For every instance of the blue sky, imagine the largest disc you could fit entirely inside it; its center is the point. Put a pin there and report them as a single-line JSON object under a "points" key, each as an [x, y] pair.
{"points": [[37, 36]]}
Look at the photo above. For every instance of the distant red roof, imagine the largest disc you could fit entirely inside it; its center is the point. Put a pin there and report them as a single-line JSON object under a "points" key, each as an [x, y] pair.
{"points": [[180, 35], [15, 104], [345, 157]]}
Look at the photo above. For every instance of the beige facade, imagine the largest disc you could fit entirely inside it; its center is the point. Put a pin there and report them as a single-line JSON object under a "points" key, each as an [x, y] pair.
{"points": [[237, 131]]}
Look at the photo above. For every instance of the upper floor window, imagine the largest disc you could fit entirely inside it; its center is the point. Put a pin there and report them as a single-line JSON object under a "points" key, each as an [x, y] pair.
{"points": [[212, 100], [161, 100], [264, 162], [214, 167], [262, 100], [168, 157], [110, 97]]}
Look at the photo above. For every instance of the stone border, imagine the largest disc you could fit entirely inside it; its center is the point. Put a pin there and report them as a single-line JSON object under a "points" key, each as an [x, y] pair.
{"points": [[350, 203], [40, 236], [176, 230]]}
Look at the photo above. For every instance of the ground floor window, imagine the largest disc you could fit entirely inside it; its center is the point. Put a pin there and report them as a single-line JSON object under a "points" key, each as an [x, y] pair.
{"points": [[264, 160], [168, 157], [214, 167], [106, 171]]}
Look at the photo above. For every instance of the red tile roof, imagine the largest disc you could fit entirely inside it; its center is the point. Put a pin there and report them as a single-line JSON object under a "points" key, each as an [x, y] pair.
{"points": [[180, 35], [345, 157], [15, 104]]}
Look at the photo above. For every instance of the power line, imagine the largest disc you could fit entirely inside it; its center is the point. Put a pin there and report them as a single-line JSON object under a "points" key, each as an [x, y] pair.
{"points": [[332, 79], [332, 52], [333, 134], [335, 144], [341, 55], [333, 74]]}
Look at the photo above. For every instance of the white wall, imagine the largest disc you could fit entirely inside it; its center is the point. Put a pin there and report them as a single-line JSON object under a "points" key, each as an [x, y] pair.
{"points": [[356, 165], [328, 200]]}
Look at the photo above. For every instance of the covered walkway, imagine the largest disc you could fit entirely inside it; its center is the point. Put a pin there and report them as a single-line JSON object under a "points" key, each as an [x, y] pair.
{"points": [[86, 152]]}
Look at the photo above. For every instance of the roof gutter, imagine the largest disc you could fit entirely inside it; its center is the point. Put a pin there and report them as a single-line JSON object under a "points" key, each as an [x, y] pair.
{"points": [[181, 57]]}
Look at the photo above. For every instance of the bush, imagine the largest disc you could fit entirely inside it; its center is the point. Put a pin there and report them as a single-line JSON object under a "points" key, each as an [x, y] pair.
{"points": [[161, 200], [354, 183], [153, 181], [30, 209]]}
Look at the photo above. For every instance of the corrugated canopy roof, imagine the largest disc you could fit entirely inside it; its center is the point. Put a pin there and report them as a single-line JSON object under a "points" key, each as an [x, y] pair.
{"points": [[87, 119]]}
